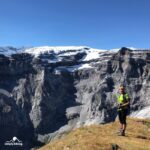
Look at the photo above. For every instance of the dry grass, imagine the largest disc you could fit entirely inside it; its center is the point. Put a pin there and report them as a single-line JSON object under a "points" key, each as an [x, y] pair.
{"points": [[101, 137]]}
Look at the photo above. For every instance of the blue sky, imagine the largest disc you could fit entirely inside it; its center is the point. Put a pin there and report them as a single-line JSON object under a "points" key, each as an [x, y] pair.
{"points": [[102, 24]]}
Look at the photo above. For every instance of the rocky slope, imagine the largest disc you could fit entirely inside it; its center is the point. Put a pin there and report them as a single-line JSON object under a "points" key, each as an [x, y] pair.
{"points": [[47, 91]]}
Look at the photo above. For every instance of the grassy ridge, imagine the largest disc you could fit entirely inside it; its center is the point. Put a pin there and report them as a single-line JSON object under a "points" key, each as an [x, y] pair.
{"points": [[101, 137]]}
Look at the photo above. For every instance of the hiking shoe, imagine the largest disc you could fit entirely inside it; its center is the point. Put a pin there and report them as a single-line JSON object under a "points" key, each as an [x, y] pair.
{"points": [[120, 130], [121, 133]]}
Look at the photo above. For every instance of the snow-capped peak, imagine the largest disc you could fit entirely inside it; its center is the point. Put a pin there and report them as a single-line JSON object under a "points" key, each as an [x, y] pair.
{"points": [[36, 51], [8, 50], [63, 51], [84, 56]]}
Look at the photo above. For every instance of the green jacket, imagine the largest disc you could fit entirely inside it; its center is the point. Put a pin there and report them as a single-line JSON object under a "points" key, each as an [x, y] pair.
{"points": [[122, 99]]}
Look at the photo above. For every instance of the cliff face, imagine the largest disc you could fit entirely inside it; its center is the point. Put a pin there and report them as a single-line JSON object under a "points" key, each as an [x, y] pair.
{"points": [[42, 99]]}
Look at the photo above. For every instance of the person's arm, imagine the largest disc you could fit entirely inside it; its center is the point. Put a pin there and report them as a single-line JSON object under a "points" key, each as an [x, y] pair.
{"points": [[127, 103]]}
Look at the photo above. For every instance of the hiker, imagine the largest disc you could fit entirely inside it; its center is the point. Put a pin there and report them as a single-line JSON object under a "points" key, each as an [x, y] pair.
{"points": [[123, 107]]}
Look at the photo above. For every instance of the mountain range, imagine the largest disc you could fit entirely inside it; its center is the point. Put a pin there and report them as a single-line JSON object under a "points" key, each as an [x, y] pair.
{"points": [[47, 91]]}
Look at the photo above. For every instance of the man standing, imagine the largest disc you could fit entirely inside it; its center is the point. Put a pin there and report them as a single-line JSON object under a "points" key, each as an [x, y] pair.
{"points": [[123, 106]]}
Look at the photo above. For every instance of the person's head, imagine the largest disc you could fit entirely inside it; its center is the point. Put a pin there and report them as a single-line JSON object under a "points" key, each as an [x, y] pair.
{"points": [[121, 89]]}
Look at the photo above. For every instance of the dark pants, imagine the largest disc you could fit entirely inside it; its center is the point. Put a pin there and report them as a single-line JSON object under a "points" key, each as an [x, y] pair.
{"points": [[122, 115]]}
